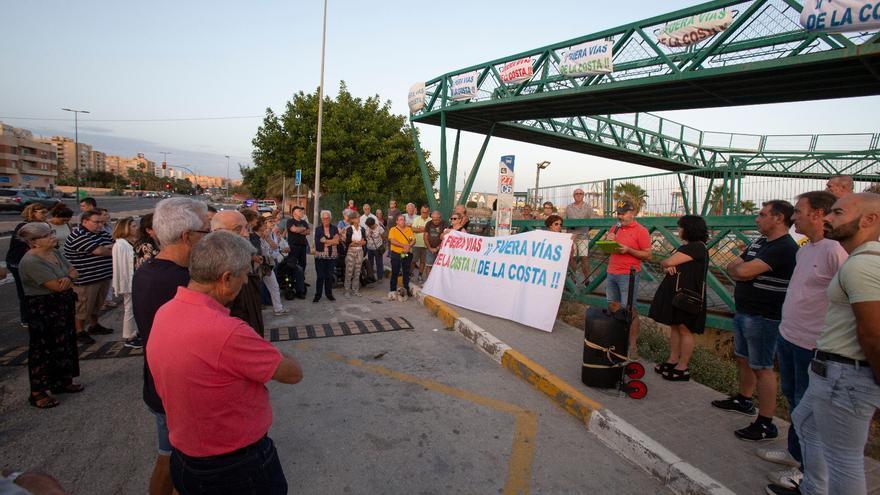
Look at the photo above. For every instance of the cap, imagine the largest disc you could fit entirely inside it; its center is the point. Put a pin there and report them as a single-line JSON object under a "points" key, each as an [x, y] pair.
{"points": [[625, 205]]}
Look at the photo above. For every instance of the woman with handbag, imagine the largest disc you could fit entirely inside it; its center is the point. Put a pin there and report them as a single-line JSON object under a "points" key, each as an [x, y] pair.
{"points": [[680, 301], [376, 245]]}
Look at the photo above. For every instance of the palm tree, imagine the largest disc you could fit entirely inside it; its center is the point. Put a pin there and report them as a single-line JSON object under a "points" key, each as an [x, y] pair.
{"points": [[747, 207], [633, 192], [716, 199]]}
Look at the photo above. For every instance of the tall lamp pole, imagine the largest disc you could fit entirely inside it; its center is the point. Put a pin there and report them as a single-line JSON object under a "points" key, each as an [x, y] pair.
{"points": [[227, 176], [317, 214], [541, 166], [76, 142]]}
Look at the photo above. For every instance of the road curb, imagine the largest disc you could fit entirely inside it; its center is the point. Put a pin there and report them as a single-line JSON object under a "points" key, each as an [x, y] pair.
{"points": [[626, 440]]}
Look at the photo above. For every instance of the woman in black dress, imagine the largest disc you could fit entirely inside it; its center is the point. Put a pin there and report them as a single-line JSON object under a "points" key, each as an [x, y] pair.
{"points": [[685, 269]]}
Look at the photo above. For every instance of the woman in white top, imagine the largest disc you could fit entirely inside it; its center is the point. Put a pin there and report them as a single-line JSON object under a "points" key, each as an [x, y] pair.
{"points": [[267, 249], [125, 232]]}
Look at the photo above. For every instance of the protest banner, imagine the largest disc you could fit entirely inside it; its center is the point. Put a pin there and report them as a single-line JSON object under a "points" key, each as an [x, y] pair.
{"points": [[592, 57], [416, 97], [694, 29], [464, 86], [840, 16], [518, 277], [517, 71]]}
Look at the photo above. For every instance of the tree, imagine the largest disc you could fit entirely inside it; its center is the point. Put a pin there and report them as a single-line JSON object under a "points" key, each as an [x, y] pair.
{"points": [[367, 152], [874, 188], [747, 207], [633, 192], [716, 199]]}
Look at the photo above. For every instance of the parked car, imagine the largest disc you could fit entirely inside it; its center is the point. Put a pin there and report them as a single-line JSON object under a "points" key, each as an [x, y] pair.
{"points": [[18, 199], [266, 205]]}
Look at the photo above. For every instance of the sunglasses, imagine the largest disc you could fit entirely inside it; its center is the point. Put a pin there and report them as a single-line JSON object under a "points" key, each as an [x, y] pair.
{"points": [[557, 223], [454, 218]]}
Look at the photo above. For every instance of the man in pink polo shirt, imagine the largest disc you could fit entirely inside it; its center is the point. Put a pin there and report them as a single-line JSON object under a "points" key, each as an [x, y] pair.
{"points": [[635, 246], [210, 371]]}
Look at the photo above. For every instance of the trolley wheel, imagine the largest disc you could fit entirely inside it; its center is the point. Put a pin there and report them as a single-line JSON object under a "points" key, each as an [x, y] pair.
{"points": [[636, 389], [634, 370]]}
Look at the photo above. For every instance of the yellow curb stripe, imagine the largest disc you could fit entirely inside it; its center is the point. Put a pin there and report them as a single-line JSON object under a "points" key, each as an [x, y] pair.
{"points": [[446, 314], [560, 392]]}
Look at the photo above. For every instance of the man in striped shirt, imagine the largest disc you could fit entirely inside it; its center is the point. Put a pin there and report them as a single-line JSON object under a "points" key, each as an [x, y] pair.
{"points": [[90, 250]]}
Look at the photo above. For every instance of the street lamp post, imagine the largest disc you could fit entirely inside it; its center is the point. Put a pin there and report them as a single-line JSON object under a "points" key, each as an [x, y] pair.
{"points": [[541, 166], [227, 176], [76, 142], [317, 214]]}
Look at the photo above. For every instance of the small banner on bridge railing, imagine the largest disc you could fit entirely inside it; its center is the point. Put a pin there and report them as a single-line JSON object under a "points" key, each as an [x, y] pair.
{"points": [[517, 71], [840, 16], [416, 97], [518, 277], [592, 57], [464, 86], [694, 29]]}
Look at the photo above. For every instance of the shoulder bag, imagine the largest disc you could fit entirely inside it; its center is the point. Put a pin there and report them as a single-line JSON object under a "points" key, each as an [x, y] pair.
{"points": [[688, 300]]}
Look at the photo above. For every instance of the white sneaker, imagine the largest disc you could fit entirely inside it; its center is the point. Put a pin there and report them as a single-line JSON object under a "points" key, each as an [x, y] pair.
{"points": [[778, 456], [787, 479], [358, 294], [282, 312]]}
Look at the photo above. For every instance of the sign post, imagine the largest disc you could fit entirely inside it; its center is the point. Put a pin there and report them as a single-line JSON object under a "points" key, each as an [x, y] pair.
{"points": [[504, 206], [298, 182]]}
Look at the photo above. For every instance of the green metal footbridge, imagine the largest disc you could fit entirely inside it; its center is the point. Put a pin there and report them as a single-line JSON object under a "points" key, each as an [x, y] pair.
{"points": [[761, 55]]}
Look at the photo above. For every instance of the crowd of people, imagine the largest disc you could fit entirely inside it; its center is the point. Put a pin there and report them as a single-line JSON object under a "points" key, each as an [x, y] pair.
{"points": [[193, 283]]}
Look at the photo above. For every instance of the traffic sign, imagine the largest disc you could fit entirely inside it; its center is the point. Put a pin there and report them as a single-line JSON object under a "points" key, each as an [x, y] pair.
{"points": [[298, 178]]}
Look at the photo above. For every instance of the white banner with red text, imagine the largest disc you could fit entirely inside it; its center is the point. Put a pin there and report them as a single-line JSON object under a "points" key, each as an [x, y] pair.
{"points": [[518, 277]]}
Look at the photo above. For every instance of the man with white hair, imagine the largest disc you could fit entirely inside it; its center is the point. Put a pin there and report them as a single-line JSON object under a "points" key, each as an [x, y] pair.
{"points": [[178, 224], [211, 371]]}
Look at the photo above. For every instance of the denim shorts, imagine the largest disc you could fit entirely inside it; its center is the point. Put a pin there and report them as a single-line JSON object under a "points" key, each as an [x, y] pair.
{"points": [[755, 338], [430, 258], [617, 287], [162, 433]]}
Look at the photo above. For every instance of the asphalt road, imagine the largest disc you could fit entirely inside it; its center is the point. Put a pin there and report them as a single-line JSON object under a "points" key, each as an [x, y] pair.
{"points": [[112, 203], [415, 410]]}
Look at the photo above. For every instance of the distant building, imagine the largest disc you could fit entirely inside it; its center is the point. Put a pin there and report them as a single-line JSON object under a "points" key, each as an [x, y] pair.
{"points": [[120, 166], [26, 162], [97, 161]]}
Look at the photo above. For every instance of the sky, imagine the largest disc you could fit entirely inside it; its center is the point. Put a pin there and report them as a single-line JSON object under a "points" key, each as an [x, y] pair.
{"points": [[162, 60]]}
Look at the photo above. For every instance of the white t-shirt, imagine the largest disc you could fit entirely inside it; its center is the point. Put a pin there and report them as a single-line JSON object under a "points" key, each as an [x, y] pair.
{"points": [[356, 234]]}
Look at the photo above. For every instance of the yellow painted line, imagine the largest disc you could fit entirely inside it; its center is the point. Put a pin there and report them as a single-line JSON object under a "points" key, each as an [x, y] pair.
{"points": [[519, 468], [564, 395]]}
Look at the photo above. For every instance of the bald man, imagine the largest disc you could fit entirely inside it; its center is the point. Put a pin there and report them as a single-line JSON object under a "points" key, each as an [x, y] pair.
{"points": [[840, 185], [835, 413], [247, 304]]}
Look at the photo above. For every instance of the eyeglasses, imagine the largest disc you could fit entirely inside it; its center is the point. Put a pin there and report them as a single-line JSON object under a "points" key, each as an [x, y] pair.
{"points": [[578, 194], [557, 223], [201, 231], [454, 218]]}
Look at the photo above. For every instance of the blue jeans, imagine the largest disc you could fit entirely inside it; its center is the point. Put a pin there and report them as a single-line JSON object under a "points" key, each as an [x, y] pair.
{"points": [[617, 288], [832, 420], [754, 338], [376, 259], [253, 469], [162, 433], [400, 263], [794, 366]]}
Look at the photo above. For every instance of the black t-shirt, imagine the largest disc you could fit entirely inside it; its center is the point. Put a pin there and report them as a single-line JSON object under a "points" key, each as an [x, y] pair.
{"points": [[764, 295], [434, 232], [293, 238], [154, 284]]}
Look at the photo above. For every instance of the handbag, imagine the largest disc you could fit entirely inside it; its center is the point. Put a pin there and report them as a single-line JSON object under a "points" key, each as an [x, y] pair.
{"points": [[687, 300]]}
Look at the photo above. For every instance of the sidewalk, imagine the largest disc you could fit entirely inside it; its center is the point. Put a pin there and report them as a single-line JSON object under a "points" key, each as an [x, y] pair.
{"points": [[677, 415], [7, 226]]}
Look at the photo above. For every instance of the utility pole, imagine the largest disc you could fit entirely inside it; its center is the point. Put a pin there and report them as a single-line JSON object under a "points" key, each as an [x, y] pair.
{"points": [[227, 176], [76, 143], [317, 214]]}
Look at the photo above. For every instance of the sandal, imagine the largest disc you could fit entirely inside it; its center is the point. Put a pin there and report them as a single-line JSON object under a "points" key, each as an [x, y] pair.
{"points": [[676, 375], [70, 388], [43, 400], [664, 367]]}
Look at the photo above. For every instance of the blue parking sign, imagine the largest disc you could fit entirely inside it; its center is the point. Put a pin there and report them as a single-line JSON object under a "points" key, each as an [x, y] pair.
{"points": [[298, 178]]}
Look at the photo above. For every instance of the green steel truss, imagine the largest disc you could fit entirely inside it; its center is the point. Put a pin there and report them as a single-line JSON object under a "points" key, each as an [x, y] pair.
{"points": [[764, 56]]}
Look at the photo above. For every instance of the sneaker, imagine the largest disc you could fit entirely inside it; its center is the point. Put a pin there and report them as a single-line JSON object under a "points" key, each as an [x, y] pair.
{"points": [[778, 456], [99, 330], [357, 294], [134, 343], [84, 338], [757, 432], [790, 478], [284, 311], [733, 404], [23, 324], [781, 490]]}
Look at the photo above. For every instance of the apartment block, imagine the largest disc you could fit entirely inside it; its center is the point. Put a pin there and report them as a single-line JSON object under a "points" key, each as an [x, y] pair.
{"points": [[26, 162]]}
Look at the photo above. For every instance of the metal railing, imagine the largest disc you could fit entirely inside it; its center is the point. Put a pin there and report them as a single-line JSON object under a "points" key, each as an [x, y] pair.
{"points": [[728, 237]]}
